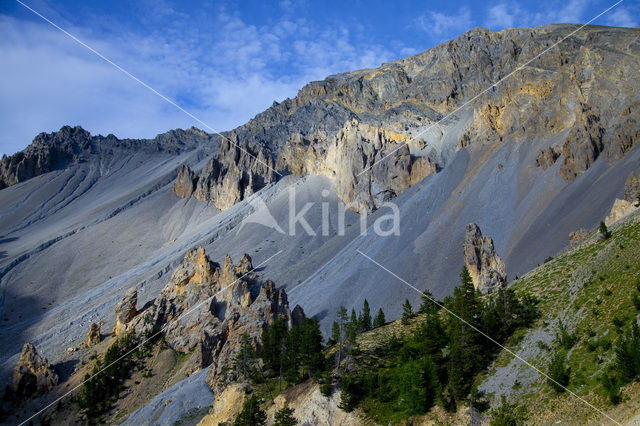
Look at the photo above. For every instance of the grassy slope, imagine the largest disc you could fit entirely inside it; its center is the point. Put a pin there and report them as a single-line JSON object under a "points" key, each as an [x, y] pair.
{"points": [[586, 287]]}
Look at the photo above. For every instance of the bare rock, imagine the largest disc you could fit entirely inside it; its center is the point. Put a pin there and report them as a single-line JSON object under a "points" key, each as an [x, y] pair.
{"points": [[237, 171], [185, 183], [244, 266], [33, 374], [94, 336], [126, 309], [576, 237], [297, 316], [632, 188], [619, 210], [207, 308], [486, 268], [547, 158], [371, 165], [583, 145]]}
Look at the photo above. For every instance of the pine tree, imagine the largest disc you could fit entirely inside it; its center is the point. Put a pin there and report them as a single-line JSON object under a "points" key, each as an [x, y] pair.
{"points": [[407, 311], [339, 332], [604, 231], [508, 415], [558, 373], [379, 320], [243, 362], [428, 305], [627, 361], [365, 317], [354, 318], [310, 352], [284, 417], [273, 341], [251, 413], [465, 343]]}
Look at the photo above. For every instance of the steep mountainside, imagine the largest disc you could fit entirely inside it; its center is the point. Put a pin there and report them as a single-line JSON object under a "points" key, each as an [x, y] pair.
{"points": [[529, 159]]}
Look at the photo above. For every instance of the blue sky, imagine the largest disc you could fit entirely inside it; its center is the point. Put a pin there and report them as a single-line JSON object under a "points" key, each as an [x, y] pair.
{"points": [[222, 61]]}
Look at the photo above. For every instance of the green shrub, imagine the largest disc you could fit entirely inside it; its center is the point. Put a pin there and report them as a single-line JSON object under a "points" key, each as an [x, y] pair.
{"points": [[611, 387], [564, 338], [508, 415], [558, 373]]}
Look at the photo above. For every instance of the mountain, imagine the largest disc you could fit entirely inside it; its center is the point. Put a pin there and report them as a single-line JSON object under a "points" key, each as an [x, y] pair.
{"points": [[529, 140]]}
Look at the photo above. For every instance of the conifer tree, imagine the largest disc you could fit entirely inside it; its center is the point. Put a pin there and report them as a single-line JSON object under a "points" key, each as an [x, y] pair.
{"points": [[379, 320], [407, 311], [428, 305], [627, 361], [284, 417], [339, 332], [604, 231], [365, 317], [558, 372], [466, 344], [245, 357], [354, 318], [310, 348], [251, 413]]}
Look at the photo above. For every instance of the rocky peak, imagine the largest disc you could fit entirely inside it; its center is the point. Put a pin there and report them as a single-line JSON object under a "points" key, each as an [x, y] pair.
{"points": [[126, 309], [486, 268], [70, 145], [94, 336], [185, 183], [632, 188], [234, 173], [196, 268], [33, 374]]}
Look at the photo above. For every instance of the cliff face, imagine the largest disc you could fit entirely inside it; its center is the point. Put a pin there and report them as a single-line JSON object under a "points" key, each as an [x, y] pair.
{"points": [[208, 308], [568, 96], [347, 157], [237, 171]]}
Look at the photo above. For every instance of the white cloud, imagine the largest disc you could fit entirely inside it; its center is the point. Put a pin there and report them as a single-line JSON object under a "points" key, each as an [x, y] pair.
{"points": [[224, 77], [503, 15], [446, 25], [621, 17]]}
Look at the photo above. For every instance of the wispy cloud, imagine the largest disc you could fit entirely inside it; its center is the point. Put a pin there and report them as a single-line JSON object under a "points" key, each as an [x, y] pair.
{"points": [[622, 18], [224, 76], [440, 24], [504, 15]]}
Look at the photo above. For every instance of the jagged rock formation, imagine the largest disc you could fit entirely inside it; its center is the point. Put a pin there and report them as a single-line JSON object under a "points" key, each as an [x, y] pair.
{"points": [[486, 268], [632, 188], [547, 157], [237, 171], [347, 157], [126, 309], [207, 308], [619, 210], [185, 182], [51, 151], [32, 374], [94, 336], [628, 204]]}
